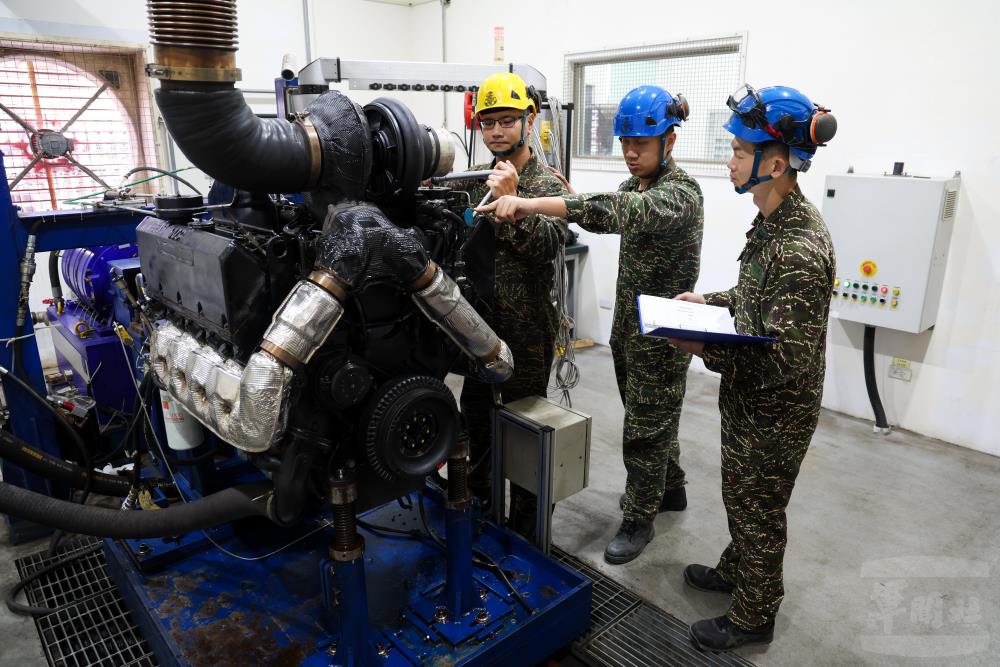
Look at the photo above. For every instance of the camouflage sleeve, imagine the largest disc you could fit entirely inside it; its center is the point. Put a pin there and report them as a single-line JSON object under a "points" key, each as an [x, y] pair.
{"points": [[538, 237], [475, 189], [792, 309], [723, 299], [621, 212]]}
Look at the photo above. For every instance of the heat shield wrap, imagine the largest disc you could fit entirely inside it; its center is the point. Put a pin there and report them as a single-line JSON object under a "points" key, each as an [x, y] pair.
{"points": [[244, 405], [443, 303], [304, 320]]}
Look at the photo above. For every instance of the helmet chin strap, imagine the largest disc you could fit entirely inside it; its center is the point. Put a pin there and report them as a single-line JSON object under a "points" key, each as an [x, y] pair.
{"points": [[754, 178], [516, 147]]}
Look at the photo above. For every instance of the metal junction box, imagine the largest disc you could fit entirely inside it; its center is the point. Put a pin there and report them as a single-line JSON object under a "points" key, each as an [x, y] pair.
{"points": [[891, 235], [543, 447]]}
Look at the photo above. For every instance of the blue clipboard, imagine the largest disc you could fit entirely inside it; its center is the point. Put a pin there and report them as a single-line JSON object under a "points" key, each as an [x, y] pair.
{"points": [[708, 336], [702, 336]]}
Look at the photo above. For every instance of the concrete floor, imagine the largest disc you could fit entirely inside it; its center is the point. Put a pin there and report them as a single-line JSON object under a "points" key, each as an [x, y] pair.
{"points": [[894, 541]]}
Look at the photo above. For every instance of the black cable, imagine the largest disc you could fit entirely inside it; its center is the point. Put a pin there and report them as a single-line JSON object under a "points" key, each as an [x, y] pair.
{"points": [[146, 396], [415, 534], [870, 385], [130, 425], [84, 455], [494, 567], [28, 610], [465, 146], [427, 528], [54, 284], [160, 171], [56, 538]]}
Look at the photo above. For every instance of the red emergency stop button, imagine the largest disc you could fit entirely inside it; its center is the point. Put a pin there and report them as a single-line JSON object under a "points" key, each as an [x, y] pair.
{"points": [[869, 268]]}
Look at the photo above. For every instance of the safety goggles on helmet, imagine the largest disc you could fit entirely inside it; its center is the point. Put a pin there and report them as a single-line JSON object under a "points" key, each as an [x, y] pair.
{"points": [[750, 109]]}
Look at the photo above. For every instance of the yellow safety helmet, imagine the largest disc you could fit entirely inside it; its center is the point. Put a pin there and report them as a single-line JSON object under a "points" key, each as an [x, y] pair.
{"points": [[504, 90]]}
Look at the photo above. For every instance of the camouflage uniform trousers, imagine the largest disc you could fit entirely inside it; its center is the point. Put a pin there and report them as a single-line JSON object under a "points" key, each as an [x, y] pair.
{"points": [[652, 377], [764, 440]]}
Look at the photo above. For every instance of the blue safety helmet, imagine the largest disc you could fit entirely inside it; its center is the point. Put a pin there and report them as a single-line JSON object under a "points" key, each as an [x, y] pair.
{"points": [[779, 113], [649, 111]]}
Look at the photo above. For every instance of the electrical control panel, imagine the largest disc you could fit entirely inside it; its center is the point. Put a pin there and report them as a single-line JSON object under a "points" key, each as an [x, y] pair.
{"points": [[891, 235]]}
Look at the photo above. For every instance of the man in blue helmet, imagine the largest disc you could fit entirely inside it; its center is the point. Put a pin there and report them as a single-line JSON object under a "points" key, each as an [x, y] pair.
{"points": [[659, 214], [770, 394]]}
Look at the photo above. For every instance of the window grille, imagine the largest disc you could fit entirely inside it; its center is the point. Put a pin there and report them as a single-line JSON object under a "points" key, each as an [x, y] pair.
{"points": [[705, 71]]}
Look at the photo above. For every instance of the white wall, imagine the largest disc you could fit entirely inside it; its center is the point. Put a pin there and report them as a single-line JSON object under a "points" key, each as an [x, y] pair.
{"points": [[908, 81]]}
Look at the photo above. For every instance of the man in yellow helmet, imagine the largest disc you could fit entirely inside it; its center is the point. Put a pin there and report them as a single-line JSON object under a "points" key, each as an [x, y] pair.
{"points": [[523, 313]]}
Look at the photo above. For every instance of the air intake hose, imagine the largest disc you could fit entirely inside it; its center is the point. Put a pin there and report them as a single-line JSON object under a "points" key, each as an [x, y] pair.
{"points": [[194, 48], [219, 133]]}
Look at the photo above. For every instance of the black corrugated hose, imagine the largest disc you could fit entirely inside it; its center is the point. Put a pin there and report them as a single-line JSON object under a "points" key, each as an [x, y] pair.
{"points": [[870, 385]]}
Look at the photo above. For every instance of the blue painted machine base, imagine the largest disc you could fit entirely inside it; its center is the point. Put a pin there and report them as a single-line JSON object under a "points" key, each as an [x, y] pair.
{"points": [[208, 608]]}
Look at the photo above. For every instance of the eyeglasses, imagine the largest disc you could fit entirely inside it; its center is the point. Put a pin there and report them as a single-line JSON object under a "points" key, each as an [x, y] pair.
{"points": [[506, 122]]}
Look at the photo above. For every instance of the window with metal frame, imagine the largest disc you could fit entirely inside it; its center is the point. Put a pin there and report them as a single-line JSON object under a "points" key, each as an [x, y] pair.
{"points": [[73, 120], [704, 71]]}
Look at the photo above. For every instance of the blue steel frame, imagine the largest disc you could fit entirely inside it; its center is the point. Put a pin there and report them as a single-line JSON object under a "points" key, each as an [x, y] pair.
{"points": [[56, 230], [389, 607]]}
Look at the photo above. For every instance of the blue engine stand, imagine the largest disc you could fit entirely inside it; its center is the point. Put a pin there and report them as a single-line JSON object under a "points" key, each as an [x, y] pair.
{"points": [[403, 602]]}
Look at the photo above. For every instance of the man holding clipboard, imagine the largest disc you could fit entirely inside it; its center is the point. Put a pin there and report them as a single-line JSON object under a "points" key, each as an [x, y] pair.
{"points": [[770, 393]]}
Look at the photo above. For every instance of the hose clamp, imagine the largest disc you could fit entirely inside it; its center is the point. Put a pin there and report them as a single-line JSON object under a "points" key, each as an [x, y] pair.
{"points": [[315, 148], [203, 74]]}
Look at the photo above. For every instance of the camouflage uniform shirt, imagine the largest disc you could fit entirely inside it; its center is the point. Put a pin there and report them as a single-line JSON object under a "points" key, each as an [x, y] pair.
{"points": [[786, 278], [661, 230], [525, 275]]}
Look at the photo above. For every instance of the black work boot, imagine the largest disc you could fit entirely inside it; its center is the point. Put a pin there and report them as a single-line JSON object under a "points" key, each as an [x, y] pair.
{"points": [[707, 579], [632, 538], [721, 634], [674, 500]]}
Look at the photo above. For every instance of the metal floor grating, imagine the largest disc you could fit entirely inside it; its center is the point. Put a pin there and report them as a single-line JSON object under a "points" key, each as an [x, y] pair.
{"points": [[96, 628], [627, 631]]}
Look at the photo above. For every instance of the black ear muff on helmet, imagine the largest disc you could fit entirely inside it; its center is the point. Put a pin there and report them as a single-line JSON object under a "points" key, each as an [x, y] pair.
{"points": [[679, 108], [823, 127]]}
